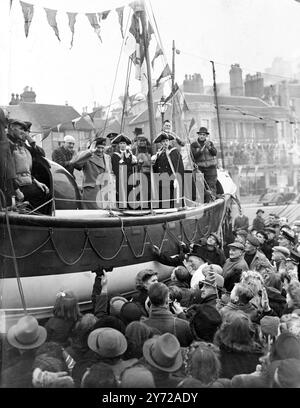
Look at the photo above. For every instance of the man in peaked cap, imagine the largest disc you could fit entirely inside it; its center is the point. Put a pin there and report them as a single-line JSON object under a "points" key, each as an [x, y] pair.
{"points": [[253, 256], [64, 154], [258, 223], [168, 172], [24, 151], [234, 265], [204, 155], [123, 166], [97, 174], [286, 237], [214, 254]]}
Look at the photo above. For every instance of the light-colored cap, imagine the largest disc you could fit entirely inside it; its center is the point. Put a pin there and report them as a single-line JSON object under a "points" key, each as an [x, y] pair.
{"points": [[69, 139]]}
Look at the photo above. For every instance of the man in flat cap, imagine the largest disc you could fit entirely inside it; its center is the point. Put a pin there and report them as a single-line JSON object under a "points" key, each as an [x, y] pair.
{"points": [[168, 162], [258, 223], [123, 165], [204, 155], [24, 150], [286, 237], [234, 265], [279, 257], [253, 256], [65, 153]]}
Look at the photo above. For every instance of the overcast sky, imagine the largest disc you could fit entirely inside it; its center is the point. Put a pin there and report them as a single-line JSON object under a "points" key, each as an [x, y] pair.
{"points": [[250, 32]]}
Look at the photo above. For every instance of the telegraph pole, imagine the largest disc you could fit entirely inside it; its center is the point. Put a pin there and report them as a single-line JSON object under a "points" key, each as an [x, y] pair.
{"points": [[218, 113]]}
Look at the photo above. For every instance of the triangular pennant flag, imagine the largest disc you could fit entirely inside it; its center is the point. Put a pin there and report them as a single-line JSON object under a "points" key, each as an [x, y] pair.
{"points": [[92, 115], [103, 15], [166, 72], [185, 107], [93, 19], [72, 21], [46, 133], [158, 52], [134, 28], [74, 121], [192, 124], [176, 88], [120, 11], [28, 10], [51, 17]]}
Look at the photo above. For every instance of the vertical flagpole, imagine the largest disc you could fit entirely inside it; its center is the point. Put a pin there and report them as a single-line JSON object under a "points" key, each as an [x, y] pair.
{"points": [[218, 113], [173, 85], [149, 78]]}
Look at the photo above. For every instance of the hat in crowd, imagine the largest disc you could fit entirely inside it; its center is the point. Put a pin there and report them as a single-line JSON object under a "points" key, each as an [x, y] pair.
{"points": [[286, 345], [199, 251], [138, 131], [294, 257], [26, 333], [141, 137], [163, 352], [113, 322], [253, 240], [203, 130], [285, 373], [205, 322], [107, 342], [17, 122], [269, 325], [100, 141], [259, 210], [69, 139], [121, 138], [270, 229], [163, 136], [47, 362], [237, 245], [212, 268], [137, 377], [212, 234], [288, 234], [241, 232], [130, 312], [283, 250], [182, 274], [115, 305], [263, 233]]}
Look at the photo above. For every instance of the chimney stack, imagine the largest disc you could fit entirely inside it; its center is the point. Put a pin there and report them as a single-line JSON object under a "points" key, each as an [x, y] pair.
{"points": [[236, 80]]}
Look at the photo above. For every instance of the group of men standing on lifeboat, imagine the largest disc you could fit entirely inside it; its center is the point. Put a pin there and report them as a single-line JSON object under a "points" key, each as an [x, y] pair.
{"points": [[121, 179]]}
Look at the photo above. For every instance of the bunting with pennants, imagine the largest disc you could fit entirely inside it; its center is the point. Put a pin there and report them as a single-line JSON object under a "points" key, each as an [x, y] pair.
{"points": [[28, 11], [166, 72], [93, 19], [72, 21], [51, 17]]}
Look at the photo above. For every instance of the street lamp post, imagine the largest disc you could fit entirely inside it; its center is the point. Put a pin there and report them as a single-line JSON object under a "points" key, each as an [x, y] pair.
{"points": [[162, 107]]}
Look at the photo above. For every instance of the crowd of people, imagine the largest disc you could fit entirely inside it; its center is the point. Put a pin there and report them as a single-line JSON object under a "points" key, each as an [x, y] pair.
{"points": [[229, 317], [251, 154]]}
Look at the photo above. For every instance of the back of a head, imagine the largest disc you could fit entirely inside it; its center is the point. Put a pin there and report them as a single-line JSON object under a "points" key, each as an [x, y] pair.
{"points": [[286, 345], [293, 290], [142, 276], [273, 280], [284, 373], [158, 294], [182, 274], [205, 322], [205, 362], [66, 306], [237, 331], [110, 321], [100, 375], [243, 292], [130, 312], [137, 377]]}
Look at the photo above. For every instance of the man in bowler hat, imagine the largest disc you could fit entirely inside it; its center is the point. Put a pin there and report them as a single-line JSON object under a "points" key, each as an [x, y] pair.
{"points": [[204, 155]]}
